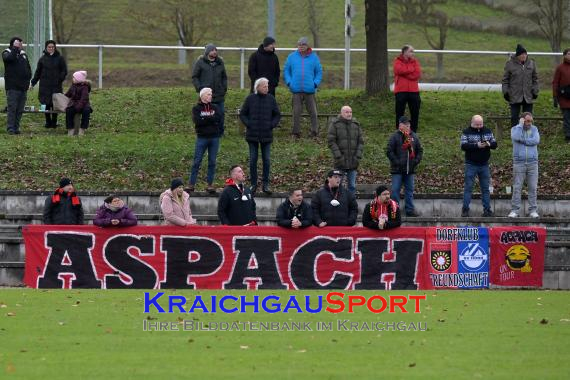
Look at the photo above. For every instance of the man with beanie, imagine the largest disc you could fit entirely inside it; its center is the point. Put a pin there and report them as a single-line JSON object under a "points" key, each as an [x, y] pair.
{"points": [[405, 153], [520, 83], [381, 213], [477, 142], [303, 74], [264, 63], [64, 206], [236, 206], [209, 71], [561, 91], [332, 204], [346, 143], [17, 75]]}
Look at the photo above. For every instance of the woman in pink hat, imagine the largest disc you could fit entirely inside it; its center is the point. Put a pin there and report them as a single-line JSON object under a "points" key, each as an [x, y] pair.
{"points": [[78, 95]]}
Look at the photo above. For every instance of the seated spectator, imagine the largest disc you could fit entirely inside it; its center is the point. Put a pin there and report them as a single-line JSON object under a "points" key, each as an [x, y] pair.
{"points": [[381, 213], [175, 205], [333, 205], [64, 206], [114, 213], [78, 95], [294, 212]]}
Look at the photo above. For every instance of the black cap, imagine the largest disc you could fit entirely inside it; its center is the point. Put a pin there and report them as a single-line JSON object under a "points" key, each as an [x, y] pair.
{"points": [[520, 50], [403, 119], [380, 189], [268, 41], [176, 183], [335, 172], [64, 182]]}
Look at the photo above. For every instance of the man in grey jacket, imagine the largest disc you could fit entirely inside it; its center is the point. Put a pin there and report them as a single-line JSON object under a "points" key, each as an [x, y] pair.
{"points": [[209, 71], [520, 83], [525, 139]]}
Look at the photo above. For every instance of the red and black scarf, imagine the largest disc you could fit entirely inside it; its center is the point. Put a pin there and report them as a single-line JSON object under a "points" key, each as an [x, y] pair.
{"points": [[378, 208], [59, 193], [409, 144]]}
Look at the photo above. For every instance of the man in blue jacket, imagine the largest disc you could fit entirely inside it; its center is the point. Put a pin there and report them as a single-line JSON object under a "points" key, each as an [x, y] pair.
{"points": [[303, 74], [525, 139]]}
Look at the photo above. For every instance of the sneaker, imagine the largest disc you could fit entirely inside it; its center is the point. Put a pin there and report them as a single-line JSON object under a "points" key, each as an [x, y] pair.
{"points": [[513, 214], [534, 214], [488, 213], [211, 189], [465, 213], [266, 190], [412, 213]]}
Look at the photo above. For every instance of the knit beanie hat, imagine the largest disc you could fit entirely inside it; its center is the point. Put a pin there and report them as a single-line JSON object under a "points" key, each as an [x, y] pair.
{"points": [[176, 183], [209, 48], [303, 41], [380, 189], [268, 41], [64, 182], [520, 50], [80, 76]]}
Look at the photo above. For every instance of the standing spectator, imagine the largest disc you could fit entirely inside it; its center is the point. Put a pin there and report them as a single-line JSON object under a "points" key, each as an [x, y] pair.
{"points": [[332, 204], [477, 142], [525, 139], [303, 74], [407, 73], [520, 83], [260, 114], [207, 118], [17, 75], [405, 153], [78, 95], [264, 63], [294, 212], [561, 91], [64, 206], [346, 143], [50, 72], [381, 213], [114, 213], [236, 206], [175, 205], [209, 71]]}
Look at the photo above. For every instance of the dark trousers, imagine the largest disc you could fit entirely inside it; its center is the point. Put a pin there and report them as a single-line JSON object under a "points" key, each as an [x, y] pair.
{"points": [[516, 111], [70, 115], [566, 122], [222, 114], [16, 100], [51, 118], [413, 100], [253, 155]]}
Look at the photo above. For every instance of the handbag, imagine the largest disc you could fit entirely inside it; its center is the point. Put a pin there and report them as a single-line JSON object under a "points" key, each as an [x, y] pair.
{"points": [[564, 92], [60, 102]]}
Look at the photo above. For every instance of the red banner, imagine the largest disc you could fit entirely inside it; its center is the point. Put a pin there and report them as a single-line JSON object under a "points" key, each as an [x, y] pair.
{"points": [[517, 256]]}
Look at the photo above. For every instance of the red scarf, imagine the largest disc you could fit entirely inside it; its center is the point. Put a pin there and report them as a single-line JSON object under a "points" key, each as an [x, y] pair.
{"points": [[409, 145], [378, 208], [56, 197]]}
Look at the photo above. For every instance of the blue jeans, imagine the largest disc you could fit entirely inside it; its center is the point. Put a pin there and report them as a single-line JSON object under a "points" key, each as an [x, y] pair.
{"points": [[222, 114], [351, 180], [213, 145], [408, 181], [481, 171], [253, 154]]}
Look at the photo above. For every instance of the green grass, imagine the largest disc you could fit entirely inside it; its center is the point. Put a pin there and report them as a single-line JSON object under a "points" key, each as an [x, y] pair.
{"points": [[140, 138], [99, 334]]}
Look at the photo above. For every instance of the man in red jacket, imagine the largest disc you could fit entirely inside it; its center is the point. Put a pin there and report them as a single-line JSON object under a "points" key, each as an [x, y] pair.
{"points": [[407, 73], [561, 91]]}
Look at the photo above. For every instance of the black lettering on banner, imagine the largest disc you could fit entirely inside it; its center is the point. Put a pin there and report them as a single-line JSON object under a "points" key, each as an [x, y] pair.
{"points": [[179, 262], [69, 254], [262, 251], [372, 265], [116, 255], [303, 264]]}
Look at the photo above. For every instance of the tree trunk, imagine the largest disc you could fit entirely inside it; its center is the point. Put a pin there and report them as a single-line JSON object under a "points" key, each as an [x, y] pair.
{"points": [[440, 71], [376, 25]]}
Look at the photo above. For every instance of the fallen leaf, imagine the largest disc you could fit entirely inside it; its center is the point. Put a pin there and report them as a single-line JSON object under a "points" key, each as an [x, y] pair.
{"points": [[412, 365], [543, 321], [244, 347], [11, 314], [302, 351]]}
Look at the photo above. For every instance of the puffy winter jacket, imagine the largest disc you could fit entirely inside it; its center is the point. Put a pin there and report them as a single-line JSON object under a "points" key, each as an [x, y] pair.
{"points": [[124, 215], [211, 74], [17, 71], [342, 215], [520, 81], [407, 73], [400, 160], [50, 72], [78, 95], [63, 211], [264, 64], [303, 73], [175, 213], [260, 114], [346, 143]]}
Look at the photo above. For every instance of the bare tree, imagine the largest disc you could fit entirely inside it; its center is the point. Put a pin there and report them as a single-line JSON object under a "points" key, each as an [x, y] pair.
{"points": [[66, 17], [315, 22], [376, 26], [551, 16]]}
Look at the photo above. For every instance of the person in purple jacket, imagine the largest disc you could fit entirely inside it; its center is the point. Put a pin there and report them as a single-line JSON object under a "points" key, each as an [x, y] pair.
{"points": [[114, 213], [78, 95]]}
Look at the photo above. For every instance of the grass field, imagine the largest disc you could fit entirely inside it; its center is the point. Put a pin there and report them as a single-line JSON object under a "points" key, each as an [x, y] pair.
{"points": [[94, 334]]}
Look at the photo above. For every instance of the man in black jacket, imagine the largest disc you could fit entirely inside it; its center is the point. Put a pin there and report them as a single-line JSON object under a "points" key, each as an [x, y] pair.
{"points": [[405, 153], [64, 206], [294, 212], [333, 205], [17, 75], [209, 71], [236, 206], [264, 63], [381, 213], [477, 142]]}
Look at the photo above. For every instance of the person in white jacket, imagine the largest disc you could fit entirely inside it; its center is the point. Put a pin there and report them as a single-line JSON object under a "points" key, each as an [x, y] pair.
{"points": [[175, 205]]}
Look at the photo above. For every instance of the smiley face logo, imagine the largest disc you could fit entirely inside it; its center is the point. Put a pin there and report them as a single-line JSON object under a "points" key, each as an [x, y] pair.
{"points": [[518, 258]]}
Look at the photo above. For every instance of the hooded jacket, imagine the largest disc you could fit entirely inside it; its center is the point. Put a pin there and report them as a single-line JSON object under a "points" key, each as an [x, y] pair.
{"points": [[473, 154], [232, 209], [174, 213], [206, 119], [342, 215], [346, 143], [520, 81], [264, 64], [260, 114], [525, 144], [105, 215], [401, 160], [303, 73], [211, 74], [17, 71], [50, 72], [407, 73]]}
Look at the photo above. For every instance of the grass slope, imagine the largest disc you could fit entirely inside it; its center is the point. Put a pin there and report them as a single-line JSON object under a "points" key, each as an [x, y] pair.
{"points": [[141, 138], [99, 334]]}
